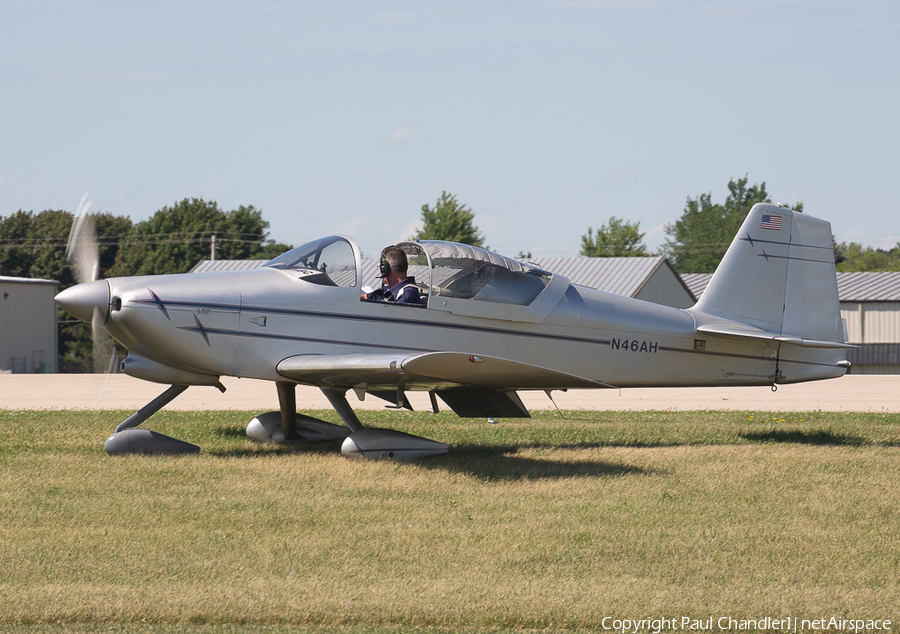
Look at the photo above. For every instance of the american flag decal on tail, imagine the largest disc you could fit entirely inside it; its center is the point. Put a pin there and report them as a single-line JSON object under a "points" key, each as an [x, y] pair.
{"points": [[771, 222]]}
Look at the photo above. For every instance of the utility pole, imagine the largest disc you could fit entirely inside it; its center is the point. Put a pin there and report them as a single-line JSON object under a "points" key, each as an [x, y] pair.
{"points": [[212, 248]]}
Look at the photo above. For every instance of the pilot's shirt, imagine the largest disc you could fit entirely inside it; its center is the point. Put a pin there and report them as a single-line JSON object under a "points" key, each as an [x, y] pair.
{"points": [[402, 292]]}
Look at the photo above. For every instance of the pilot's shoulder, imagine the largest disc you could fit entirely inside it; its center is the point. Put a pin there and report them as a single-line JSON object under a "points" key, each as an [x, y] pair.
{"points": [[409, 294]]}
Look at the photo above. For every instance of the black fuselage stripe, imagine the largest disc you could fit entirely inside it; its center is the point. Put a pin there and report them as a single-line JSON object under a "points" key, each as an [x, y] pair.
{"points": [[302, 313], [381, 320], [265, 335]]}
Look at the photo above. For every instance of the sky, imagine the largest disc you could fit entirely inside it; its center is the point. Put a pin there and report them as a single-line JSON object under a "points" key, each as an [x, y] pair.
{"points": [[545, 118]]}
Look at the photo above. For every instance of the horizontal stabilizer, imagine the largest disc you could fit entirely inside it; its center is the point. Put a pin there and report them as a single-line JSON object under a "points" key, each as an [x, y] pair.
{"points": [[750, 333]]}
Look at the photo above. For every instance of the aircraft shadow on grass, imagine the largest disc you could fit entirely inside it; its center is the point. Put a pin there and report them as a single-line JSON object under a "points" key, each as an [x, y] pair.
{"points": [[800, 437], [487, 462], [504, 462]]}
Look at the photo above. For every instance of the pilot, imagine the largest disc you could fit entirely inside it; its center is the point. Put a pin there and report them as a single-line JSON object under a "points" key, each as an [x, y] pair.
{"points": [[397, 286]]}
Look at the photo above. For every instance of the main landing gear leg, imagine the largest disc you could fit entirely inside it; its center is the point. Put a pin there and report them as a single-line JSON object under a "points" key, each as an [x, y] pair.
{"points": [[378, 444], [127, 439], [286, 425], [287, 402], [338, 400]]}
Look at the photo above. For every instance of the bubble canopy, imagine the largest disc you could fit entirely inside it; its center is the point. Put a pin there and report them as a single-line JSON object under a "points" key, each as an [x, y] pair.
{"points": [[441, 269]]}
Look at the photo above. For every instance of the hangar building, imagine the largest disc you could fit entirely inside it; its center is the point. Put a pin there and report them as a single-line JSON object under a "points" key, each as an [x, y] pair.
{"points": [[27, 325]]}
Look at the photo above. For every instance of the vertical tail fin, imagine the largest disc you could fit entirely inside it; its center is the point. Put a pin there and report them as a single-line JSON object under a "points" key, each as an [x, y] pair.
{"points": [[777, 281]]}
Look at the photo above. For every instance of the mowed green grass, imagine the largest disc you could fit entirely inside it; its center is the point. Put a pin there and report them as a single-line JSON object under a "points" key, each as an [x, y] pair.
{"points": [[541, 524]]}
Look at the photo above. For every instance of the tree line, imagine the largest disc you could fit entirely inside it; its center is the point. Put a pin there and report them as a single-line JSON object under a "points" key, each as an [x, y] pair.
{"points": [[174, 239], [695, 243]]}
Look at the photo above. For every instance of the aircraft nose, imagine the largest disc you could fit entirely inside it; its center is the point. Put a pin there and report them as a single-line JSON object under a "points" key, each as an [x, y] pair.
{"points": [[81, 300]]}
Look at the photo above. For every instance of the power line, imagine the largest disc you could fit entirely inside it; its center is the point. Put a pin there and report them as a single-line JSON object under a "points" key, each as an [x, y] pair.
{"points": [[140, 237], [61, 244]]}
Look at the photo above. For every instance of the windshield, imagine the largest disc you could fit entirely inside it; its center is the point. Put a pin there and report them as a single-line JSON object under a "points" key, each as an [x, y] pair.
{"points": [[332, 256]]}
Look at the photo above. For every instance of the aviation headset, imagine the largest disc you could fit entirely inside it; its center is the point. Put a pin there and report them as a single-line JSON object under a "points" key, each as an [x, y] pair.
{"points": [[384, 267]]}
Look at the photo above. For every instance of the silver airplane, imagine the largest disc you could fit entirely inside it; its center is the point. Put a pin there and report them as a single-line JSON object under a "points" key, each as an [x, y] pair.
{"points": [[488, 326]]}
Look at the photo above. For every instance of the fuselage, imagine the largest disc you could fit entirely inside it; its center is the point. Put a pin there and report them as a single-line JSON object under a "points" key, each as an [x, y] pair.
{"points": [[543, 331], [243, 323]]}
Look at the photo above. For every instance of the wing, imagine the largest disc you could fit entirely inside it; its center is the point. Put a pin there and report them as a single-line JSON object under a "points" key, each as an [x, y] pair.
{"points": [[431, 370]]}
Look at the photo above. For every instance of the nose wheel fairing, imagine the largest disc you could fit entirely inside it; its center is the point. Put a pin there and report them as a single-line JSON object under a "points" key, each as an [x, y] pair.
{"points": [[145, 441], [127, 439]]}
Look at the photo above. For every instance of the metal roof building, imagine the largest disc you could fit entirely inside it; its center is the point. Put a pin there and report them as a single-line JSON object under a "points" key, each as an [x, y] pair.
{"points": [[696, 282], [869, 287], [226, 265], [870, 304], [27, 325], [648, 278]]}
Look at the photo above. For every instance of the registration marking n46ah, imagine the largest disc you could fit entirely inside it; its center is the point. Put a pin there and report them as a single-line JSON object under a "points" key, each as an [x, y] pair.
{"points": [[634, 345]]}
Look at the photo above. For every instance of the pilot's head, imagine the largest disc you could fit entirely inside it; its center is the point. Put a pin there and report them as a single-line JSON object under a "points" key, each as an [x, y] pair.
{"points": [[393, 260]]}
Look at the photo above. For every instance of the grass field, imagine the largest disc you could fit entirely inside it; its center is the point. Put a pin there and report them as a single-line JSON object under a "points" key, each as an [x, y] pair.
{"points": [[543, 524]]}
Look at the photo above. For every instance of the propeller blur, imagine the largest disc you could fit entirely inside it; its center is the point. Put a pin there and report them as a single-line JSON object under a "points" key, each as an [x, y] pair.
{"points": [[83, 256]]}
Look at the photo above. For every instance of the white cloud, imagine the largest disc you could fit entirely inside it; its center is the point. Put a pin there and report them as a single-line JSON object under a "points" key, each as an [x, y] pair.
{"points": [[402, 134], [606, 4], [410, 230], [100, 72], [657, 229], [353, 226], [392, 16]]}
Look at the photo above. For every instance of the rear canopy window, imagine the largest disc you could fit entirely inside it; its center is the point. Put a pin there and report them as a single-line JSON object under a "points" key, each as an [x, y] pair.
{"points": [[471, 273]]}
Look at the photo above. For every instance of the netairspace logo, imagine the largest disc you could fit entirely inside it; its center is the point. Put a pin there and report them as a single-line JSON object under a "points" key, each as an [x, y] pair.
{"points": [[727, 623]]}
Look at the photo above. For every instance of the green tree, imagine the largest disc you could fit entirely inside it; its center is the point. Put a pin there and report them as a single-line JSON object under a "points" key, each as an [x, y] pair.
{"points": [[698, 240], [34, 245], [855, 257], [449, 220], [619, 238], [176, 238], [172, 241]]}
